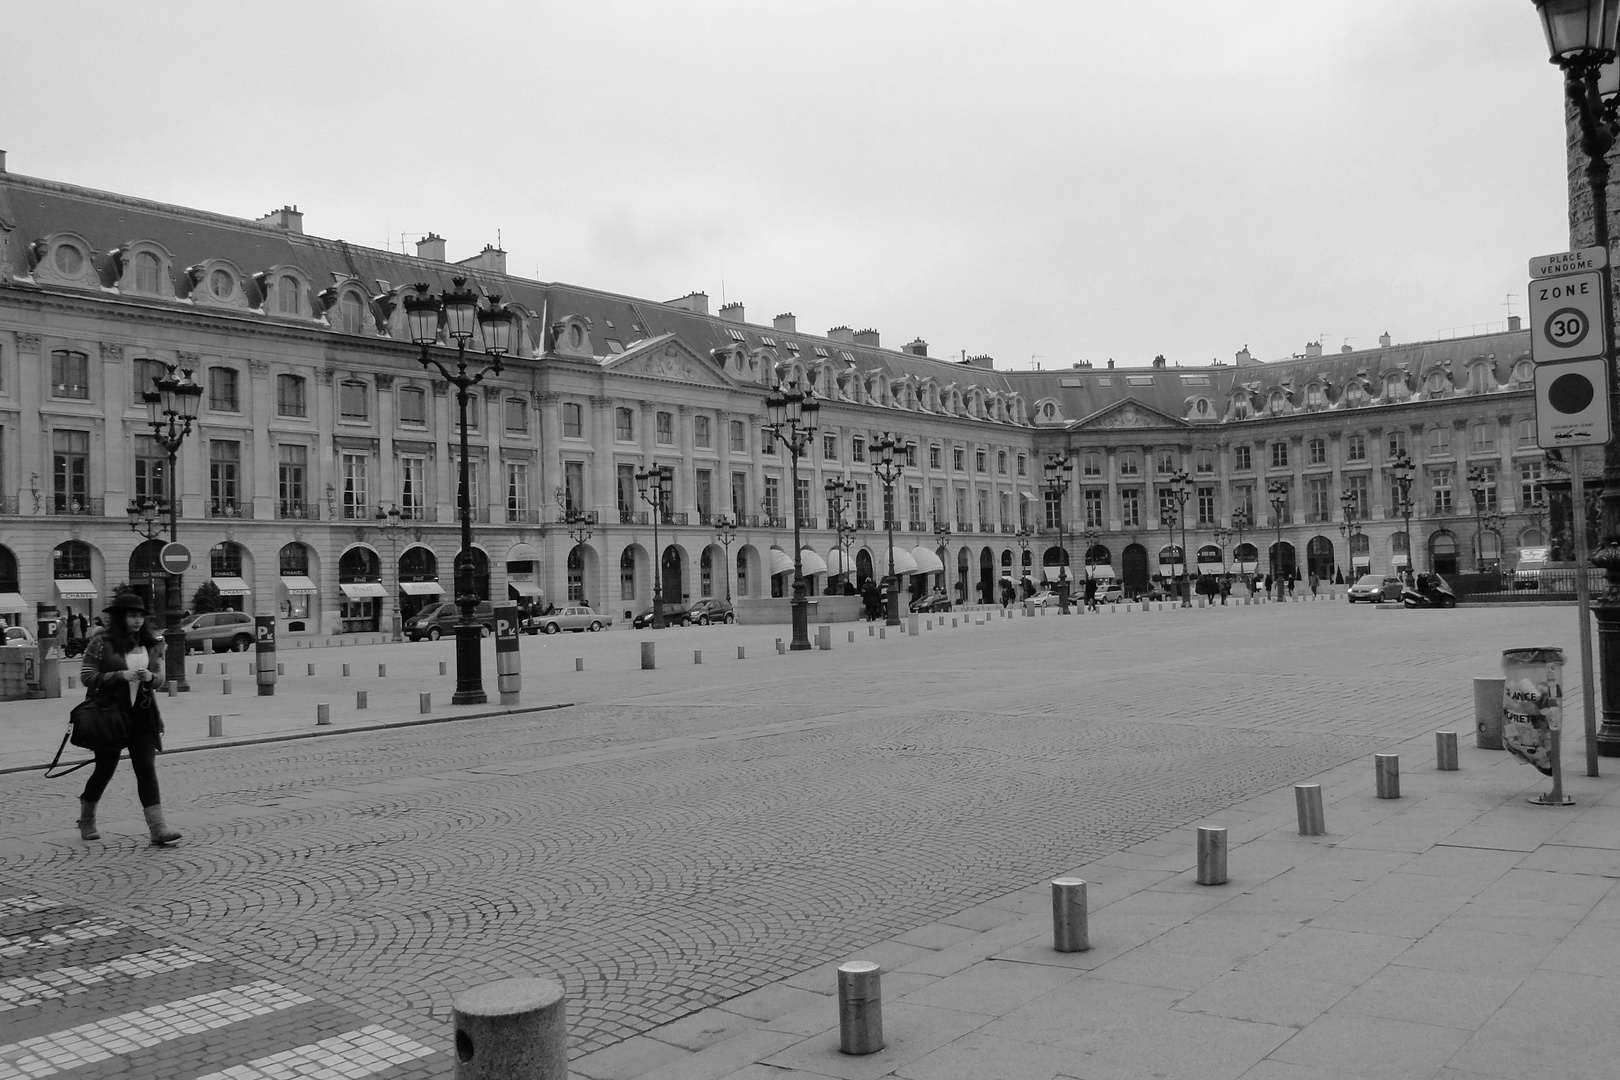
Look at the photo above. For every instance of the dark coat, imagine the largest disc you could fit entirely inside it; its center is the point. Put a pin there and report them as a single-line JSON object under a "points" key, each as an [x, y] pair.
{"points": [[100, 672]]}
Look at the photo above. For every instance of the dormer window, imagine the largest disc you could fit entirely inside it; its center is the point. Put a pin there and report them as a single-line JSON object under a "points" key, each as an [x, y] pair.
{"points": [[351, 315], [1314, 397], [286, 295], [221, 284], [146, 272], [69, 260]]}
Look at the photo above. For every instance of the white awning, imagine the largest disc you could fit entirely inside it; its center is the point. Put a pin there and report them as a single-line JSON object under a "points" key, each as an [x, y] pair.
{"points": [[1248, 567], [75, 588], [1399, 559], [416, 588], [1355, 560], [12, 603], [522, 552], [1029, 496], [525, 588], [362, 590], [927, 561], [781, 562], [1100, 572], [1052, 572], [231, 586], [811, 562], [835, 563], [298, 585], [903, 562]]}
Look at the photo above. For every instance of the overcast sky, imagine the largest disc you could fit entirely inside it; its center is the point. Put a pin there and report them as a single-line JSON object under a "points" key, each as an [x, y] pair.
{"points": [[1044, 181]]}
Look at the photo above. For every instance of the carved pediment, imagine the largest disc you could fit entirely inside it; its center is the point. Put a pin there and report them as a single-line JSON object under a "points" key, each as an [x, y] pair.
{"points": [[667, 357], [1129, 414]]}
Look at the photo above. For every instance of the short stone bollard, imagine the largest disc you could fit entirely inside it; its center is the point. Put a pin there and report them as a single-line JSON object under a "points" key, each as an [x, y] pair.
{"points": [[1445, 751], [911, 625], [953, 624], [648, 661], [225, 686], [174, 688], [781, 647], [444, 667], [281, 669], [697, 656], [871, 631], [883, 632], [216, 725], [199, 669], [1308, 805], [1070, 929], [424, 703], [852, 637], [1212, 855], [824, 637], [579, 663], [309, 669], [1387, 770], [860, 1007], [1488, 714], [345, 671], [382, 671], [514, 1029], [359, 699], [928, 624], [323, 713], [740, 652], [224, 669]]}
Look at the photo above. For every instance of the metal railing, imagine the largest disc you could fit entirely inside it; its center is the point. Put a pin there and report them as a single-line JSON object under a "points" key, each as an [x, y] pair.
{"points": [[1504, 586], [65, 507], [220, 509], [633, 517], [419, 513], [916, 526], [8, 504], [773, 522], [521, 516], [297, 511]]}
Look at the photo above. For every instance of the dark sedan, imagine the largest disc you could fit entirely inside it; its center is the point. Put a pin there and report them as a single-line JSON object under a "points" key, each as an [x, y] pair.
{"points": [[705, 612], [938, 600], [674, 615]]}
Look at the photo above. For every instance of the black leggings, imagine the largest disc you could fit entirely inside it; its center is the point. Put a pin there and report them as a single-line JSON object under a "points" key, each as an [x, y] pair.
{"points": [[142, 758]]}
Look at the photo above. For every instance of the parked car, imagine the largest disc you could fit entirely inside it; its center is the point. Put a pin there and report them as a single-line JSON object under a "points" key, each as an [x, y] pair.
{"points": [[1108, 592], [674, 615], [439, 620], [1044, 598], [218, 631], [1375, 589], [575, 617], [938, 600], [1527, 572], [18, 636], [705, 612]]}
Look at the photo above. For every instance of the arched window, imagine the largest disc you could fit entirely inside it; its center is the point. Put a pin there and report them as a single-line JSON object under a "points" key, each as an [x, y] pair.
{"points": [[351, 315], [294, 560], [225, 560], [287, 295], [358, 564], [71, 559], [706, 573], [576, 575], [222, 284], [8, 571], [627, 574], [147, 269]]}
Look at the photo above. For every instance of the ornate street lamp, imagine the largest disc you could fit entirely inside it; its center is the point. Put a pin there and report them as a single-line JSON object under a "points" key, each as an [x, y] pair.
{"points": [[1350, 528], [1222, 536], [942, 537], [888, 470], [1180, 491], [840, 498], [457, 313], [388, 523], [1402, 472], [793, 414], [1240, 525], [1477, 479], [1279, 503], [656, 486], [725, 534], [1058, 472], [578, 521], [171, 409]]}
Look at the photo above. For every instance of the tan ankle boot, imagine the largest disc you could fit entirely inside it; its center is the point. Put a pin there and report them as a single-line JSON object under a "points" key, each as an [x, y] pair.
{"points": [[87, 821], [161, 833]]}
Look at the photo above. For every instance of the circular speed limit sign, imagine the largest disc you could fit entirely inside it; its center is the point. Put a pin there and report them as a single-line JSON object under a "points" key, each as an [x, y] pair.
{"points": [[1567, 327]]}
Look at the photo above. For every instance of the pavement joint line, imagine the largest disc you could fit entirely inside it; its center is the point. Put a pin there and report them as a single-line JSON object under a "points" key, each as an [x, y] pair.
{"points": [[254, 740]]}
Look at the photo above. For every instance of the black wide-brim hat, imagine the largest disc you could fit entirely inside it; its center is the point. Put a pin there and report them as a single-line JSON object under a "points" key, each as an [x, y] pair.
{"points": [[126, 602]]}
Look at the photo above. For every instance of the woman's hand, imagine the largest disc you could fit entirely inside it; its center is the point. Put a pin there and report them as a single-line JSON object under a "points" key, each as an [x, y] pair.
{"points": [[132, 676]]}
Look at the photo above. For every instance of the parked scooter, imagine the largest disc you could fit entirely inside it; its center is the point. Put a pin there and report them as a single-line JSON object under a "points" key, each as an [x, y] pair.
{"points": [[1431, 591]]}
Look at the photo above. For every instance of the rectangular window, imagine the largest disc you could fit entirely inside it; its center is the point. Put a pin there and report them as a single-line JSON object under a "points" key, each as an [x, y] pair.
{"points": [[1484, 437], [627, 579], [412, 487], [70, 374], [773, 497], [1023, 465], [1439, 441], [1001, 463], [1280, 504], [984, 510], [705, 492], [962, 521], [1319, 506], [574, 486], [1395, 444], [1316, 452], [475, 414], [517, 416], [1053, 507], [70, 471], [151, 468], [1243, 502], [958, 459], [1440, 487], [857, 448], [224, 466], [739, 494], [829, 447], [356, 501], [573, 422], [768, 445], [624, 425], [664, 428], [1527, 433], [914, 504], [353, 402], [1167, 508], [475, 486], [739, 437], [292, 468], [1094, 508], [1129, 463], [1355, 448], [911, 455], [1242, 459], [980, 461], [1165, 461], [1091, 465], [290, 397], [1530, 493], [1005, 506], [1206, 506], [801, 499], [1360, 494], [1279, 454], [934, 457], [222, 390], [411, 404], [1130, 507], [517, 491], [143, 382], [1204, 462], [702, 436], [629, 501], [1485, 500]]}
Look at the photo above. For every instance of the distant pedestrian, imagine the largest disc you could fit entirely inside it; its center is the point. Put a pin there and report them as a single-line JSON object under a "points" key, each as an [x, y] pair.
{"points": [[1091, 594], [1314, 583], [1226, 588], [1290, 581]]}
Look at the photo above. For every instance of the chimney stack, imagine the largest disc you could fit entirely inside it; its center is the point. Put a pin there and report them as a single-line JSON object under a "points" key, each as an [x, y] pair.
{"points": [[1313, 348], [692, 301], [1346, 348], [867, 337], [1383, 340], [785, 323], [1159, 361], [918, 347], [287, 218], [491, 258], [842, 333], [732, 312], [1513, 320], [1244, 359], [431, 246]]}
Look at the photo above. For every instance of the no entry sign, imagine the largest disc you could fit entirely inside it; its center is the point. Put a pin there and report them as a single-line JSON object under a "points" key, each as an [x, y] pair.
{"points": [[175, 558]]}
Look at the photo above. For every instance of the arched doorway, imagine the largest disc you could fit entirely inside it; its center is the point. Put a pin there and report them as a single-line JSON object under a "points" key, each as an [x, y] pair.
{"points": [[419, 583], [1490, 551], [1443, 553], [1281, 563], [11, 604], [226, 569], [673, 564], [360, 579], [987, 576], [575, 567], [1360, 555], [627, 577], [1319, 558], [1245, 559], [297, 594], [1399, 552], [146, 576], [1133, 565], [962, 576], [706, 573]]}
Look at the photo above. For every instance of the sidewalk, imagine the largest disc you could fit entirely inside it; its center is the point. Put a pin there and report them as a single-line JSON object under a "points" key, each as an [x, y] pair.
{"points": [[1457, 933]]}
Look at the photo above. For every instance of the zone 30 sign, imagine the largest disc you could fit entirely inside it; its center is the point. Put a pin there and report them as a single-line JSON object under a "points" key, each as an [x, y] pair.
{"points": [[1566, 317]]}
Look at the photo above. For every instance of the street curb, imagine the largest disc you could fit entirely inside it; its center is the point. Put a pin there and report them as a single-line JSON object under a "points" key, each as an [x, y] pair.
{"points": [[253, 740]]}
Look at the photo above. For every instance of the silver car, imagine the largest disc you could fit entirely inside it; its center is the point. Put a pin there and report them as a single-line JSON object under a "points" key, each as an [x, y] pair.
{"points": [[572, 618]]}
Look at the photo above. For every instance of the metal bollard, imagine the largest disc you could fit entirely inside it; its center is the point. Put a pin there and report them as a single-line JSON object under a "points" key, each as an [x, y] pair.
{"points": [[264, 667], [514, 1029], [1308, 804], [1387, 769], [323, 713], [1212, 855], [697, 656], [359, 699], [911, 625], [860, 1007], [1445, 751], [739, 652], [508, 661], [444, 667], [345, 671], [781, 647], [647, 661], [824, 637], [216, 725], [382, 671], [852, 637], [579, 663], [1070, 930], [174, 688], [424, 703], [225, 686], [953, 624], [1488, 714]]}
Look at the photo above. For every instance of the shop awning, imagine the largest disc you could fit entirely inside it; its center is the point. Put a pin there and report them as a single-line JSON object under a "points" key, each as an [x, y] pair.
{"points": [[1101, 572], [75, 588], [231, 586], [927, 562], [362, 590], [1399, 559], [1355, 560], [903, 562], [835, 563], [417, 588], [1052, 572], [12, 603], [525, 588], [1247, 566], [781, 562], [811, 562], [297, 585], [522, 552]]}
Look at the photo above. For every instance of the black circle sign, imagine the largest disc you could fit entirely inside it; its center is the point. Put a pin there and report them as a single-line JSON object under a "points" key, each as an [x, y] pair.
{"points": [[1570, 393], [1567, 327]]}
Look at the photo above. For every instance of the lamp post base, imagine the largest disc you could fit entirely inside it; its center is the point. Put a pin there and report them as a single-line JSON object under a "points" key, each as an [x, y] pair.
{"points": [[1607, 615], [658, 622], [174, 658], [893, 614], [800, 605], [469, 667], [1063, 597]]}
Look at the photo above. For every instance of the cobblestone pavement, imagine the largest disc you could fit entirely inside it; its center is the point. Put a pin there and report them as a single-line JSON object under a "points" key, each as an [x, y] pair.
{"points": [[675, 841]]}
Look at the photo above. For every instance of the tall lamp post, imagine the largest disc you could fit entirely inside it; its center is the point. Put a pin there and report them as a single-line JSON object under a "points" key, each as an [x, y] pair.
{"points": [[456, 311], [888, 470], [171, 409], [1179, 491], [656, 486], [1058, 472], [942, 537], [389, 524], [793, 414], [1223, 536], [1350, 528], [1023, 536], [578, 523], [1477, 479], [1279, 504], [725, 534], [840, 497], [1402, 472]]}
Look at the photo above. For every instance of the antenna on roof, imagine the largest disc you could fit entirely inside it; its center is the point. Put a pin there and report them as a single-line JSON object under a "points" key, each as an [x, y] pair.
{"points": [[1508, 303]]}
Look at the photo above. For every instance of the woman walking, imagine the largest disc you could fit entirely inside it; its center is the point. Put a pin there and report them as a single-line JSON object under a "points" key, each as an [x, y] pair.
{"points": [[121, 664]]}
